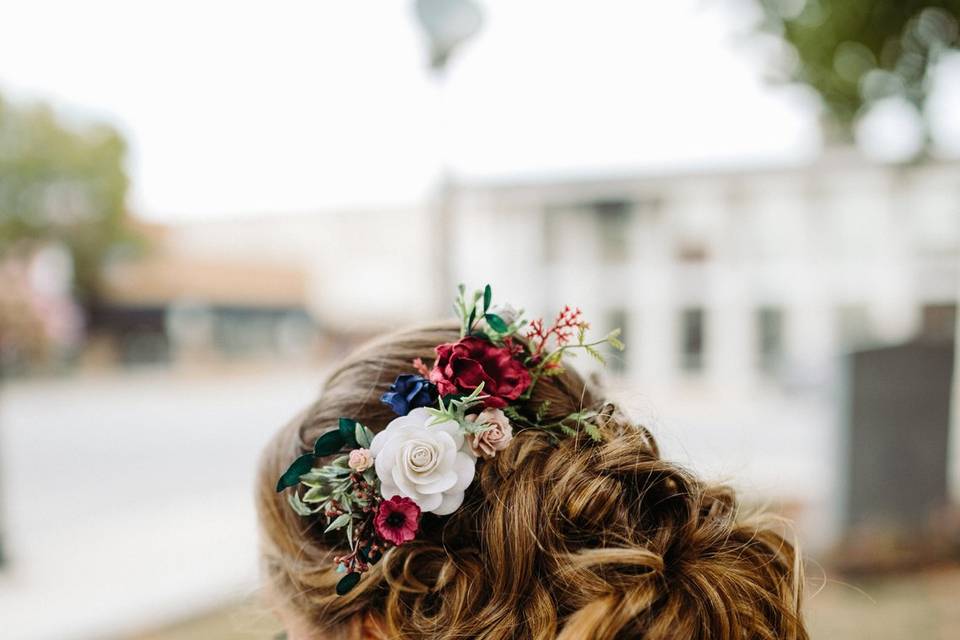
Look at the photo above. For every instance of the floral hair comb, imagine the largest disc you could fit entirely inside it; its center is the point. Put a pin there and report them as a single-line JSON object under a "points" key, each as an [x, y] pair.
{"points": [[463, 408]]}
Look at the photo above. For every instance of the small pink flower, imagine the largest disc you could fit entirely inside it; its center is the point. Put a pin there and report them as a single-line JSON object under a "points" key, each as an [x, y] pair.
{"points": [[495, 438], [397, 520], [360, 460]]}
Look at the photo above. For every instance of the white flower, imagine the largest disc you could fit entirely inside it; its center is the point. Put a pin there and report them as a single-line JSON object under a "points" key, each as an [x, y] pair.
{"points": [[431, 465]]}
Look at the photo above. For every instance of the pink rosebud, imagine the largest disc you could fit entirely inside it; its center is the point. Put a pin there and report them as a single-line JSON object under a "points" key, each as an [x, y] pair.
{"points": [[495, 437], [360, 460]]}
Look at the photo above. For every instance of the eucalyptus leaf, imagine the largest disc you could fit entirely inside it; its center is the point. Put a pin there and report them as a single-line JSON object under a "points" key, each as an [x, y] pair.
{"points": [[328, 444], [496, 323], [347, 583], [301, 466], [363, 436], [316, 494], [348, 430], [298, 506], [487, 298], [339, 522]]}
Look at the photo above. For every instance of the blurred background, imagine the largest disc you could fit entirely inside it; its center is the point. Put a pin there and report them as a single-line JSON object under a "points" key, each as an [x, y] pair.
{"points": [[204, 205]]}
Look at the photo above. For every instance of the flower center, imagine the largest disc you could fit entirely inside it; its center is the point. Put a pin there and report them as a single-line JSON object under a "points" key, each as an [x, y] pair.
{"points": [[422, 457], [396, 519]]}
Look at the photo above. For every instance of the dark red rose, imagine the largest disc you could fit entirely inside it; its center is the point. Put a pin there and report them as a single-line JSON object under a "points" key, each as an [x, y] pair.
{"points": [[462, 366]]}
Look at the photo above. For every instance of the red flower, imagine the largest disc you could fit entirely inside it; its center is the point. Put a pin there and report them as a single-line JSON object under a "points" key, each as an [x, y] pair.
{"points": [[397, 520], [462, 366]]}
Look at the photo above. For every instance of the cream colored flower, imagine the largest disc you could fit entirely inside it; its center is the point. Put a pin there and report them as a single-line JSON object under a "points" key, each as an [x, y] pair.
{"points": [[432, 465], [360, 460], [495, 437]]}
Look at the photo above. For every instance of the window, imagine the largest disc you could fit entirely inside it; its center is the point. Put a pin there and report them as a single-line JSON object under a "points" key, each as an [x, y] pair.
{"points": [[769, 334], [692, 332], [613, 221]]}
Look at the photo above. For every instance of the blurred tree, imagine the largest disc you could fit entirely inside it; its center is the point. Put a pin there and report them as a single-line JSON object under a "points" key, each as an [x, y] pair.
{"points": [[63, 185], [856, 52]]}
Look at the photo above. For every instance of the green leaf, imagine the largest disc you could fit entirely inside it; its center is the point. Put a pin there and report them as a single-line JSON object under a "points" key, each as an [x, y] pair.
{"points": [[301, 466], [347, 583], [328, 444], [339, 522], [363, 436], [473, 316], [298, 505], [316, 494], [348, 429], [496, 323], [487, 298], [593, 431]]}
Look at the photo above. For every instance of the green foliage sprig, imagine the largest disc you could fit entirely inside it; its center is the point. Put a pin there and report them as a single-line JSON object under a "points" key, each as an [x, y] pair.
{"points": [[455, 409]]}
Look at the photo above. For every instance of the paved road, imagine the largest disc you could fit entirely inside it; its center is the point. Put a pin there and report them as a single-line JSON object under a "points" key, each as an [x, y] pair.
{"points": [[127, 498]]}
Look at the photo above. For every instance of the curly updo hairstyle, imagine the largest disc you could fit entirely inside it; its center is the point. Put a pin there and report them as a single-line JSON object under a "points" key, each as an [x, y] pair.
{"points": [[568, 540]]}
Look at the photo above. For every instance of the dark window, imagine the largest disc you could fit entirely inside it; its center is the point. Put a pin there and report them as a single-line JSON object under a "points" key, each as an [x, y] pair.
{"points": [[692, 337], [613, 219], [769, 338]]}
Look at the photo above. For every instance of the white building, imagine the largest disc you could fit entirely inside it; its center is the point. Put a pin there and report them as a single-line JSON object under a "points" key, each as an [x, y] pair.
{"points": [[730, 278]]}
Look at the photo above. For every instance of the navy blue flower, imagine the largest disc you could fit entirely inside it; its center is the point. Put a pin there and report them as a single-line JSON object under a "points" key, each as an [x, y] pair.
{"points": [[408, 392]]}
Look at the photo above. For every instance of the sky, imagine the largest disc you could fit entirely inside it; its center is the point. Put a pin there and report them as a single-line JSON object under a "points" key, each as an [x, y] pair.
{"points": [[237, 108]]}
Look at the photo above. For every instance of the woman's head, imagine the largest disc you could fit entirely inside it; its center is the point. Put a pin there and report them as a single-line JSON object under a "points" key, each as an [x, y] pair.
{"points": [[568, 538]]}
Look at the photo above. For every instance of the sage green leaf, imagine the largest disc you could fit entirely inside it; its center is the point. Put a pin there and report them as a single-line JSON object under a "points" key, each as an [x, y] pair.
{"points": [[363, 436], [340, 522], [316, 494], [298, 506], [328, 444], [487, 298], [301, 466], [496, 323], [347, 583], [348, 430]]}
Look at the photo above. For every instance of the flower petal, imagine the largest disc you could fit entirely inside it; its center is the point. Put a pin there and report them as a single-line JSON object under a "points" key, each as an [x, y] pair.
{"points": [[450, 503], [437, 483], [429, 502], [465, 467]]}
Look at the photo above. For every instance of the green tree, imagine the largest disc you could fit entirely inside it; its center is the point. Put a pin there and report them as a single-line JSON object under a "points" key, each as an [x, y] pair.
{"points": [[62, 183], [856, 52]]}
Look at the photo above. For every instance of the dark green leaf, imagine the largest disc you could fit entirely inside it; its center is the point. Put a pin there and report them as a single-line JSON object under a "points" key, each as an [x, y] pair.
{"points": [[328, 444], [348, 430], [291, 476], [487, 298], [347, 583], [496, 323], [473, 316]]}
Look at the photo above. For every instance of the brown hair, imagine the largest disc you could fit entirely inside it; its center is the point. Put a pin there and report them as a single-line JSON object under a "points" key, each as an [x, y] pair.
{"points": [[568, 540]]}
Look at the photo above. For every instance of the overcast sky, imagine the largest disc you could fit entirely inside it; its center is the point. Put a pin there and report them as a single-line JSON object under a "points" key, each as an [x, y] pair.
{"points": [[246, 108]]}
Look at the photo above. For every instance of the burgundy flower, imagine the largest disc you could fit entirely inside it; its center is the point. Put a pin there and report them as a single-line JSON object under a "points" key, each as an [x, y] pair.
{"points": [[397, 520], [462, 366]]}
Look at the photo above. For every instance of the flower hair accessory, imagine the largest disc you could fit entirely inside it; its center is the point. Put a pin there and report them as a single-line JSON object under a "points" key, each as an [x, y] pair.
{"points": [[465, 408]]}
